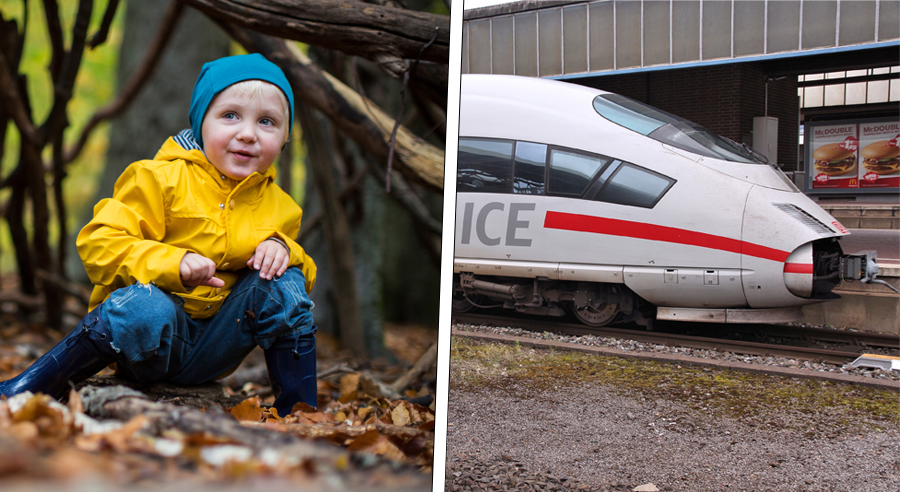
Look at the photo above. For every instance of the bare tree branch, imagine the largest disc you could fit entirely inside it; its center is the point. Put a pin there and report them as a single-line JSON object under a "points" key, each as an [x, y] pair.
{"points": [[71, 62], [416, 159], [12, 102], [393, 139], [53, 128], [136, 82], [386, 35], [30, 172], [424, 160], [11, 41], [425, 362], [402, 193], [54, 30], [100, 36], [118, 402], [15, 218]]}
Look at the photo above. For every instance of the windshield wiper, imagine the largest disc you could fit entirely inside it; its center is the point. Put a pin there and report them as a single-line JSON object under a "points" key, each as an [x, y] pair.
{"points": [[750, 151]]}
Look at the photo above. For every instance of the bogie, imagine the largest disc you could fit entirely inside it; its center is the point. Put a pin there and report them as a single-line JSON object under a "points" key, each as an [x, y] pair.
{"points": [[593, 303]]}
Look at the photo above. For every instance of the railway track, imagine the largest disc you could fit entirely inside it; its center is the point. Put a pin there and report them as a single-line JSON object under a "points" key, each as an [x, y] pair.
{"points": [[844, 346]]}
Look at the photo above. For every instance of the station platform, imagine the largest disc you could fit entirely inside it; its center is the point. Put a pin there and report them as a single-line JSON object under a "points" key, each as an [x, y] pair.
{"points": [[856, 215], [864, 307], [873, 307]]}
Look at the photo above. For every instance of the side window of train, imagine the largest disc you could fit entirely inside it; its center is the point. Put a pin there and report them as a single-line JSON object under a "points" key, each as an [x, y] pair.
{"points": [[528, 172], [571, 172], [627, 184], [484, 166]]}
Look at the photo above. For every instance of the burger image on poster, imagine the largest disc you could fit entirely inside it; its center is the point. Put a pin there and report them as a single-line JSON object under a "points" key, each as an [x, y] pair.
{"points": [[833, 159], [880, 157]]}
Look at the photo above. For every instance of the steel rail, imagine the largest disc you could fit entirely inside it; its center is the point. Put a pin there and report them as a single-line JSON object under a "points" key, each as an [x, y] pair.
{"points": [[836, 336], [680, 359], [828, 335], [690, 341]]}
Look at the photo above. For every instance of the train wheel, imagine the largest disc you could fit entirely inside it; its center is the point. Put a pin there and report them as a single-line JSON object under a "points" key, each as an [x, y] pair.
{"points": [[596, 316], [461, 305]]}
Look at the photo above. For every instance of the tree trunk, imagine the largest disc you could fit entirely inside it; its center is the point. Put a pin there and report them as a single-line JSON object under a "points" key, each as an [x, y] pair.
{"points": [[386, 35], [15, 217], [40, 239], [285, 172], [336, 227]]}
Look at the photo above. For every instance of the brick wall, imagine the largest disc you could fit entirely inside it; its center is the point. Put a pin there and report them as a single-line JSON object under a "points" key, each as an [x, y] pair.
{"points": [[722, 98]]}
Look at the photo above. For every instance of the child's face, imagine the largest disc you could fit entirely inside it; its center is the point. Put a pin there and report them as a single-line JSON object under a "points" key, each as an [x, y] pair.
{"points": [[243, 133]]}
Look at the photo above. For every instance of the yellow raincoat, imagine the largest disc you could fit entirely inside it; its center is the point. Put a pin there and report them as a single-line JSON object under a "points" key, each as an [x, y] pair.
{"points": [[179, 203]]}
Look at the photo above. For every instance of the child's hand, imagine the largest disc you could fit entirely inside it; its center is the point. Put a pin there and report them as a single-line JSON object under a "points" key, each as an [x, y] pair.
{"points": [[270, 258], [199, 270]]}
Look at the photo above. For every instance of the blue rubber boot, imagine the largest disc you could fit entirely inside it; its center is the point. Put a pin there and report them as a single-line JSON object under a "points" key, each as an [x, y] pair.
{"points": [[85, 351], [292, 371]]}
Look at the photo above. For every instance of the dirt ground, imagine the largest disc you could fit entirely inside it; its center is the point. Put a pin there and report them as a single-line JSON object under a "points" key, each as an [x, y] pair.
{"points": [[529, 420]]}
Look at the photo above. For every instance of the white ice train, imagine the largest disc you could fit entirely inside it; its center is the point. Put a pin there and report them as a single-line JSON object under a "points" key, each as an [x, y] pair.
{"points": [[572, 197]]}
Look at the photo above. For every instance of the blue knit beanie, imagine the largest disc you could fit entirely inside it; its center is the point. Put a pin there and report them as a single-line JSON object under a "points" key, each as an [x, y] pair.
{"points": [[217, 75]]}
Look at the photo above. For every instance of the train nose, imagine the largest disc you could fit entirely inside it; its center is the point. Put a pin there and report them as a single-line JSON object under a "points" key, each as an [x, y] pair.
{"points": [[798, 271], [813, 270]]}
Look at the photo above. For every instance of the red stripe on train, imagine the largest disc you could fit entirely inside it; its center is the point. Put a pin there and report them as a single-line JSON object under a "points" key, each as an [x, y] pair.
{"points": [[641, 230], [804, 268]]}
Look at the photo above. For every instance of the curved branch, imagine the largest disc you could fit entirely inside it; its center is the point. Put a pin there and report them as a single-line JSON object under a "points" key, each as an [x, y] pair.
{"points": [[385, 35], [71, 62], [54, 31], [418, 160], [11, 40], [136, 82], [100, 36], [12, 101], [393, 139]]}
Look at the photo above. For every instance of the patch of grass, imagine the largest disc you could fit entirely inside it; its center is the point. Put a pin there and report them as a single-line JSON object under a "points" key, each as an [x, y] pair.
{"points": [[475, 363], [758, 399]]}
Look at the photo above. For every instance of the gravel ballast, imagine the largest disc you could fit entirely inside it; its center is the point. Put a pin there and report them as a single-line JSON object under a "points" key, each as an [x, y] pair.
{"points": [[635, 346], [515, 430]]}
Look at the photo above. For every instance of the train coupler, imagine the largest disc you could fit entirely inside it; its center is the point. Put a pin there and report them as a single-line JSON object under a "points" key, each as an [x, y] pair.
{"points": [[862, 266]]}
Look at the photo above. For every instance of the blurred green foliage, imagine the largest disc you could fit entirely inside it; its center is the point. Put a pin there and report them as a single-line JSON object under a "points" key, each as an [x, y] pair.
{"points": [[94, 87], [437, 7]]}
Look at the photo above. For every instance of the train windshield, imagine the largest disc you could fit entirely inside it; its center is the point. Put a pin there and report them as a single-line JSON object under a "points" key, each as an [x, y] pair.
{"points": [[672, 130]]}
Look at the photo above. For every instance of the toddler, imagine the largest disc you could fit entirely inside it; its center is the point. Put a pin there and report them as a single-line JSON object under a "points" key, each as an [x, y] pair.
{"points": [[193, 259]]}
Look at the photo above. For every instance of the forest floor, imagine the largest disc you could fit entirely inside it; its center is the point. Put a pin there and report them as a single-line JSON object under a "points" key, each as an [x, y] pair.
{"points": [[221, 436]]}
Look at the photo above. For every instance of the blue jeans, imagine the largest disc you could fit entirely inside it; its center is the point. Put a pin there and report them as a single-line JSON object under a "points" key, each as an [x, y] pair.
{"points": [[157, 341]]}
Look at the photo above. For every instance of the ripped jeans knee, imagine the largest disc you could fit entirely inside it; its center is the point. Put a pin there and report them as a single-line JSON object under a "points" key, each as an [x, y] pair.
{"points": [[142, 319], [274, 308]]}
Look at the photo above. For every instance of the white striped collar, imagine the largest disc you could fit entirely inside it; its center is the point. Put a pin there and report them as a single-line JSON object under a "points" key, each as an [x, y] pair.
{"points": [[185, 139]]}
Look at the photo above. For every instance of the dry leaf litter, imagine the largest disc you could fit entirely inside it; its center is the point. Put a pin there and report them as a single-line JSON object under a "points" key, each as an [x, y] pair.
{"points": [[381, 444]]}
